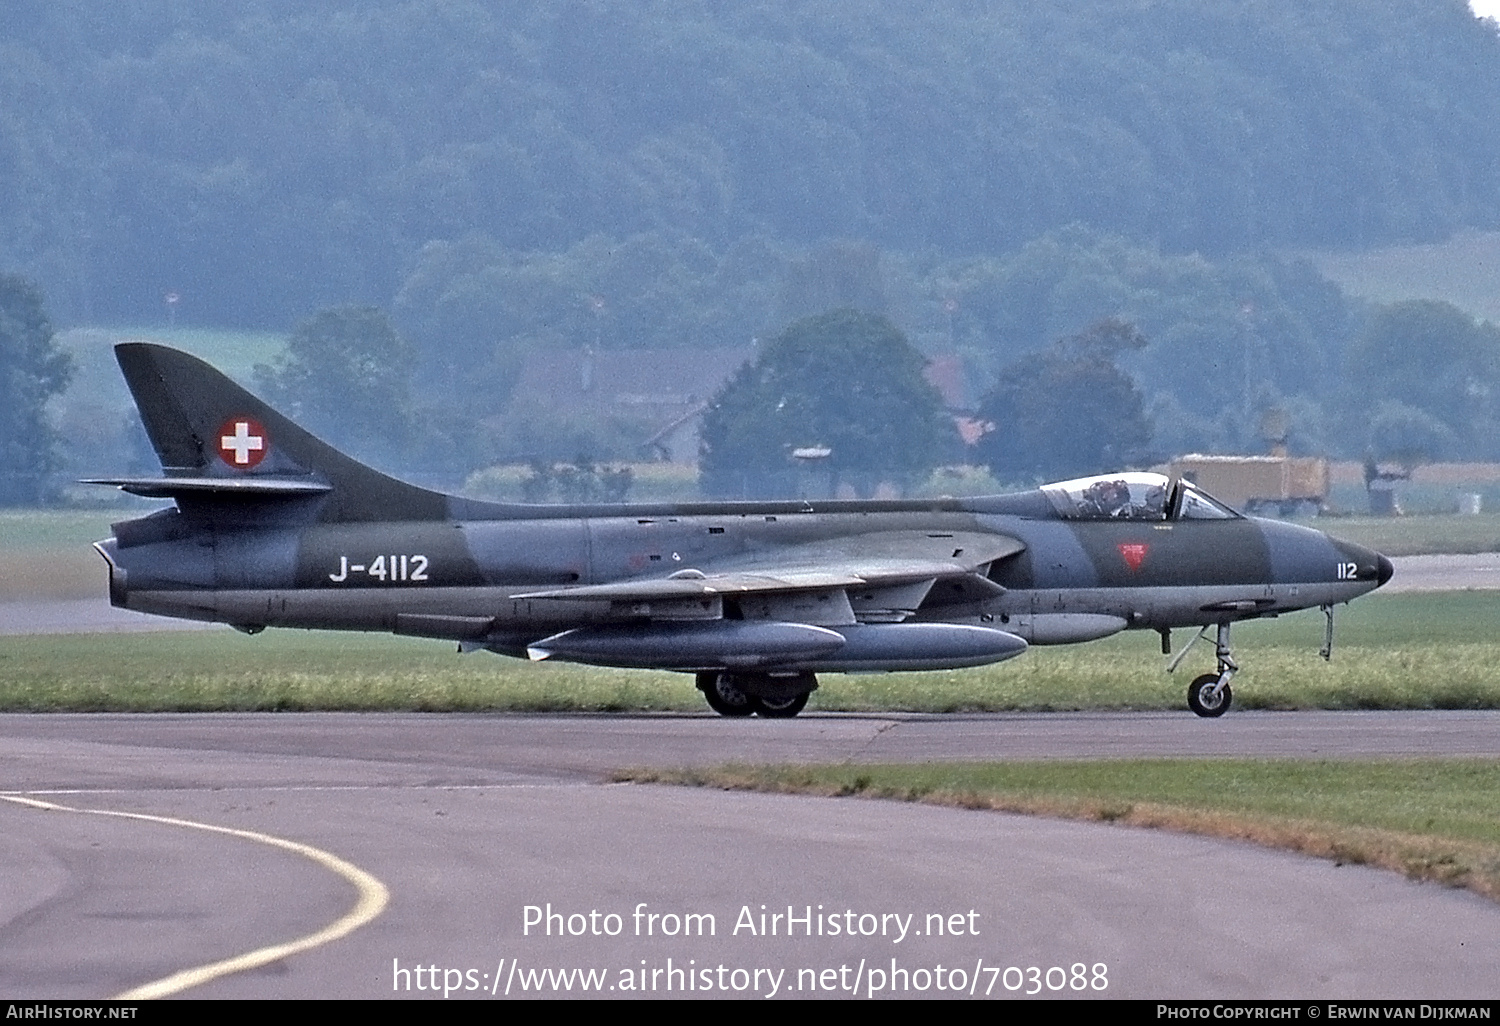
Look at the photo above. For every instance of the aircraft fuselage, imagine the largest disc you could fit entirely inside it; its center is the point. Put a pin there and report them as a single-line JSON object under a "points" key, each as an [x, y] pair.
{"points": [[460, 579], [272, 527]]}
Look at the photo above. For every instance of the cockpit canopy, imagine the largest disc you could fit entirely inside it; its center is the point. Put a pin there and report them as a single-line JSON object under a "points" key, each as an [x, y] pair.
{"points": [[1134, 496]]}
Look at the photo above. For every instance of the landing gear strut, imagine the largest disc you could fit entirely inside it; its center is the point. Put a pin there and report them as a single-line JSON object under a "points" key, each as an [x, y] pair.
{"points": [[740, 694], [1210, 695]]}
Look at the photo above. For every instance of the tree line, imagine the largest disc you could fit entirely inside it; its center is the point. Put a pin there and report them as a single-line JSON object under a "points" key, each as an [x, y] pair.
{"points": [[265, 159], [841, 396]]}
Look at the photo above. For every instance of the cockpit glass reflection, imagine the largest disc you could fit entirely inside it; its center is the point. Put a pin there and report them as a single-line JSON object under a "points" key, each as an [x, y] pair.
{"points": [[1133, 496]]}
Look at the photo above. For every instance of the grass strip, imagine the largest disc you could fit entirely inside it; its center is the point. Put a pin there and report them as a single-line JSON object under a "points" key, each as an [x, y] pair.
{"points": [[299, 671], [1430, 819], [45, 535]]}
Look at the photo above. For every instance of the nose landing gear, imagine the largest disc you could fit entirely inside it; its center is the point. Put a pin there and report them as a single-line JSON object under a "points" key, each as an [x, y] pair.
{"points": [[1210, 694]]}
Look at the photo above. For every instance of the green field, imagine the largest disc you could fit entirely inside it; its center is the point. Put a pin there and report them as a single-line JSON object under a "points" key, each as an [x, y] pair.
{"points": [[1461, 271], [1416, 535], [1432, 819], [1393, 652], [234, 352], [56, 532]]}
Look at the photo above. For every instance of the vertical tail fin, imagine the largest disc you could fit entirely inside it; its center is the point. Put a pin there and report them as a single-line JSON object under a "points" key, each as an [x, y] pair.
{"points": [[212, 435]]}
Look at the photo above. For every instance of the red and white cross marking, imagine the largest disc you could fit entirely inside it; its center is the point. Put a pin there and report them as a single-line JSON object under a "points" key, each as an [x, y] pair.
{"points": [[242, 442]]}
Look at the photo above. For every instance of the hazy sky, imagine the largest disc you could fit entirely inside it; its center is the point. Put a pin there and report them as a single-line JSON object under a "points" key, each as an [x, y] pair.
{"points": [[1485, 8]]}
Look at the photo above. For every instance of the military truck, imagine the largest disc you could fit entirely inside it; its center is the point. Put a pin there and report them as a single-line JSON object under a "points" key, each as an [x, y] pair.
{"points": [[1277, 484]]}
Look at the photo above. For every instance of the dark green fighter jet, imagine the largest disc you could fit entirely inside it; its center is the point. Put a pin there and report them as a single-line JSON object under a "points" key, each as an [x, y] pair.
{"points": [[273, 528]]}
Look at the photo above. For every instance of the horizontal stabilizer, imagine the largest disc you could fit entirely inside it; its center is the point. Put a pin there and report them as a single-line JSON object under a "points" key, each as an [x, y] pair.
{"points": [[171, 487]]}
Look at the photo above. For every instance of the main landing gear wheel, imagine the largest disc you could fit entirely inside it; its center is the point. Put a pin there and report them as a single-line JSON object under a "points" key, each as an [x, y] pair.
{"points": [[1203, 699], [724, 695], [770, 697], [780, 708]]}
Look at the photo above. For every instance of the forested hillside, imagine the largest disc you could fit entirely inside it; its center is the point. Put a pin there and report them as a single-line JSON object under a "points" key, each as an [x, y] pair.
{"points": [[267, 157], [993, 175]]}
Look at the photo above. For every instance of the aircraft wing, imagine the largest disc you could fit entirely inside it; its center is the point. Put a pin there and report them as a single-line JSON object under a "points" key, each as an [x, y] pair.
{"points": [[884, 575], [695, 584]]}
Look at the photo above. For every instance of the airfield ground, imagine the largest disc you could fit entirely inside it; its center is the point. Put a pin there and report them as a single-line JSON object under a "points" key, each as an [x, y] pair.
{"points": [[1404, 651]]}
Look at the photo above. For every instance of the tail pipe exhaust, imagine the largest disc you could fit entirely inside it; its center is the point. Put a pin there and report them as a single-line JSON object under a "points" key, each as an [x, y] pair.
{"points": [[117, 582]]}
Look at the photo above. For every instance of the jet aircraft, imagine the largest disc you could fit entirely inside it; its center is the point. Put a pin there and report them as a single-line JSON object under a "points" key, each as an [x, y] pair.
{"points": [[271, 527]]}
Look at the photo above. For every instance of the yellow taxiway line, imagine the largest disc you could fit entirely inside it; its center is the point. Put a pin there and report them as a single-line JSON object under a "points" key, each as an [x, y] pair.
{"points": [[373, 898]]}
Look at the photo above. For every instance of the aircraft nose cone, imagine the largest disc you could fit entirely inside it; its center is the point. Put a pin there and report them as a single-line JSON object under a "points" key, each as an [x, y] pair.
{"points": [[1385, 569]]}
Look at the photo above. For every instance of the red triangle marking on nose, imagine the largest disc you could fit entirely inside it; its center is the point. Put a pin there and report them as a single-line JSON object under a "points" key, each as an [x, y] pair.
{"points": [[1134, 553]]}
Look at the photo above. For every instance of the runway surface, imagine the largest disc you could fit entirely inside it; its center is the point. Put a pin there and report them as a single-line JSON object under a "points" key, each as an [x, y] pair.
{"points": [[468, 820], [1477, 572], [86, 616]]}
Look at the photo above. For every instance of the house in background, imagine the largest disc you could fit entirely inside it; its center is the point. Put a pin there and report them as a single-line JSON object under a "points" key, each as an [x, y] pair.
{"points": [[665, 390], [668, 390]]}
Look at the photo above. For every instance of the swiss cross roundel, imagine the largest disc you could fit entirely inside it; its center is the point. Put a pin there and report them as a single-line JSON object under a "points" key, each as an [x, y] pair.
{"points": [[243, 443]]}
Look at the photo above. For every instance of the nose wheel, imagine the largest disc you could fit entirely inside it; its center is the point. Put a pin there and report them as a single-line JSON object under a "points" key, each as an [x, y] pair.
{"points": [[1207, 697], [1210, 694]]}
